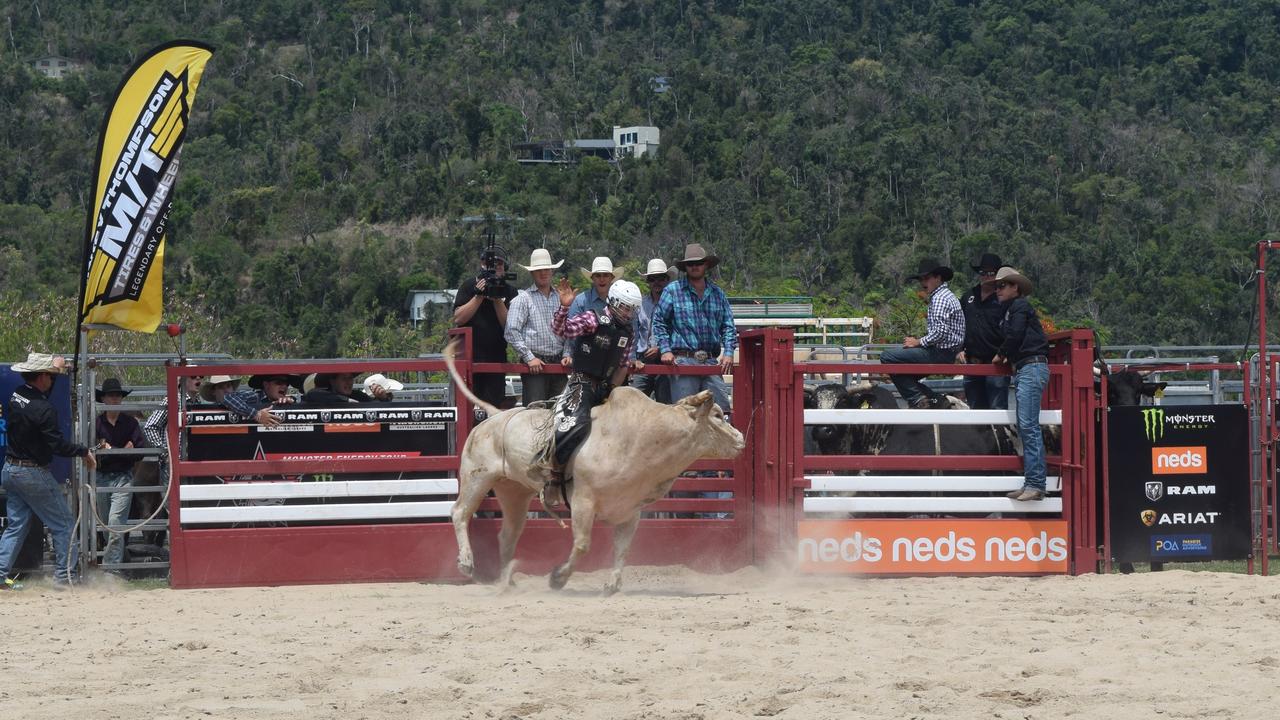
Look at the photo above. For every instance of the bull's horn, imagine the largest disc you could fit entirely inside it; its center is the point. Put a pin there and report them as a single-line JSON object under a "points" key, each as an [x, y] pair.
{"points": [[696, 399]]}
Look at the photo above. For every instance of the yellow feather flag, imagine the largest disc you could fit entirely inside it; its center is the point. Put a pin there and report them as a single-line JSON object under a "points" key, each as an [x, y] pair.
{"points": [[137, 165]]}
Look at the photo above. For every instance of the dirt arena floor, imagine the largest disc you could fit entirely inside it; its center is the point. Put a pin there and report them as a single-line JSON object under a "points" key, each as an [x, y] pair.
{"points": [[674, 644]]}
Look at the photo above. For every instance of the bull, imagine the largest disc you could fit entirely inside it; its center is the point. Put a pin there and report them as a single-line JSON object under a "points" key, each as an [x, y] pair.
{"points": [[636, 449]]}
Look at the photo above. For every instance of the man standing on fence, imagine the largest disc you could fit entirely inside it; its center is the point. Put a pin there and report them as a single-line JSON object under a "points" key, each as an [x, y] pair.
{"points": [[1026, 350], [30, 489], [693, 325], [944, 336], [982, 315], [115, 430], [529, 331]]}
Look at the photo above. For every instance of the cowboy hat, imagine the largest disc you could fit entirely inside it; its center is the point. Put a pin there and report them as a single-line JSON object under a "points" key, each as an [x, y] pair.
{"points": [[658, 267], [387, 383], [255, 381], [111, 386], [540, 259], [604, 265], [694, 253], [1007, 274], [41, 363], [207, 387], [989, 261], [929, 266]]}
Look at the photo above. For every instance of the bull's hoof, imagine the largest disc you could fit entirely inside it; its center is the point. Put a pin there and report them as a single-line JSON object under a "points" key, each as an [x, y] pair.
{"points": [[610, 589], [467, 569], [558, 579]]}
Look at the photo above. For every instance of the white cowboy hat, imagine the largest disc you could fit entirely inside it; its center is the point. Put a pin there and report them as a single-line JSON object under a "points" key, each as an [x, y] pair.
{"points": [[207, 387], [1010, 275], [540, 259], [387, 383], [658, 267], [41, 363], [604, 265]]}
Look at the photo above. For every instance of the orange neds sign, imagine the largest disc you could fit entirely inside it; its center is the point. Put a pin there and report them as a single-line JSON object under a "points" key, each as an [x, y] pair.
{"points": [[944, 546], [1179, 460]]}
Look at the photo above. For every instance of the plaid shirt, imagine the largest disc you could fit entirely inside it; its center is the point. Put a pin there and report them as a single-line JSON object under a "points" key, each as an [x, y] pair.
{"points": [[584, 323], [944, 321], [529, 325], [684, 321]]}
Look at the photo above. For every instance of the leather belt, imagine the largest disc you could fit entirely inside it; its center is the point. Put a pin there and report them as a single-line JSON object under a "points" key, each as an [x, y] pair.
{"points": [[699, 355], [1030, 360], [23, 463]]}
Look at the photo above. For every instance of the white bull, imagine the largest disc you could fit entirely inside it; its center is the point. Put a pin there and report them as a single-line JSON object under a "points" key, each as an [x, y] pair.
{"points": [[636, 449]]}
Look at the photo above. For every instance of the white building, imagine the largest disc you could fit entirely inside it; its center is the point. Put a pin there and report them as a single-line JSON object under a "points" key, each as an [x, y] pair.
{"points": [[55, 66], [635, 141]]}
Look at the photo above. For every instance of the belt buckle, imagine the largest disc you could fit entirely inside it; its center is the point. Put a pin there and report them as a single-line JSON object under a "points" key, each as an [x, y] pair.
{"points": [[701, 355]]}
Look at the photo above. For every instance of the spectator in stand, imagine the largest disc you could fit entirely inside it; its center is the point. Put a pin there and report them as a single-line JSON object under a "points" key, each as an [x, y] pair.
{"points": [[339, 389], [657, 276], [693, 325], [216, 389], [529, 331], [944, 335], [594, 298], [115, 431], [484, 310], [156, 428], [1025, 349], [33, 438], [265, 391], [982, 315]]}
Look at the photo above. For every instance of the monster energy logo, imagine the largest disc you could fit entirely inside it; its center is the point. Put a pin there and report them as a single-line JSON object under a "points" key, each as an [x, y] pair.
{"points": [[1153, 423]]}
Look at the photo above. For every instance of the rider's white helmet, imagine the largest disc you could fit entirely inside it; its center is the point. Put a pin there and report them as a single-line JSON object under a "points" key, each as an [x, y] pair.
{"points": [[624, 294]]}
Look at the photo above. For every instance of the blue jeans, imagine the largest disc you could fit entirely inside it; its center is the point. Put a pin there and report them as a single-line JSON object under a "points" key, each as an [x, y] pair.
{"points": [[682, 386], [909, 386], [113, 509], [1028, 389], [28, 491], [657, 387], [987, 392]]}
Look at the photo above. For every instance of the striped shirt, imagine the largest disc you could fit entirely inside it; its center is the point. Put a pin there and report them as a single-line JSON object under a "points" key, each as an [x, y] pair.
{"points": [[944, 321], [684, 321], [529, 325]]}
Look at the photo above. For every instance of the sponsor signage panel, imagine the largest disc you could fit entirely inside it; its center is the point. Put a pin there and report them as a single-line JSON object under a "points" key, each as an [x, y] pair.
{"points": [[1179, 478], [944, 546]]}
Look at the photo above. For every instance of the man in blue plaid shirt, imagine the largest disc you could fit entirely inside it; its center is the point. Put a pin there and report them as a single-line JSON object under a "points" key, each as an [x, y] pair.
{"points": [[693, 325], [944, 336]]}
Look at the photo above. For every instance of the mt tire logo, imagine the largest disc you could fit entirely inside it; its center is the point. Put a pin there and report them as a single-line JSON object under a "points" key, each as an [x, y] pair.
{"points": [[1153, 423]]}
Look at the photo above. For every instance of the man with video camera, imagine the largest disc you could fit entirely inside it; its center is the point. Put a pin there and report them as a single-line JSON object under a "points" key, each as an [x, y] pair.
{"points": [[481, 305]]}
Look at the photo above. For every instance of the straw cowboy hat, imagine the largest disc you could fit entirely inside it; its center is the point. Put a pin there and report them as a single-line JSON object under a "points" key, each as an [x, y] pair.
{"points": [[41, 363], [658, 267], [206, 389], [1010, 275], [540, 259], [604, 265], [695, 252], [930, 266], [111, 386]]}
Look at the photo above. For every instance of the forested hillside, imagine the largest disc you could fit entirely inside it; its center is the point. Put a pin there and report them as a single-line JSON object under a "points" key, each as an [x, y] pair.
{"points": [[1123, 153]]}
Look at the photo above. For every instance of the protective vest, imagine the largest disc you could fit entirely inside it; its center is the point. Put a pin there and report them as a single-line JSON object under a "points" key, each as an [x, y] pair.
{"points": [[601, 353]]}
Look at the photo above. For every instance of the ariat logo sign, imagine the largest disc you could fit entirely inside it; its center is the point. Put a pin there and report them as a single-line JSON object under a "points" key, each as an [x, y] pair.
{"points": [[1154, 422], [1188, 518], [1148, 517], [1155, 490], [1179, 460]]}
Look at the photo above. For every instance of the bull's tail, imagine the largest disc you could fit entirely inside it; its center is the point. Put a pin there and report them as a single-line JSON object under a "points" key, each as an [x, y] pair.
{"points": [[449, 353]]}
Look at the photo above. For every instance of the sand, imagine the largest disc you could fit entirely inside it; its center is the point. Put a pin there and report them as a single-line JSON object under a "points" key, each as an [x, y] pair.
{"points": [[674, 644]]}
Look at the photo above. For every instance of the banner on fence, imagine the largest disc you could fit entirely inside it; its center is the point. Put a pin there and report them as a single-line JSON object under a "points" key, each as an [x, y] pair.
{"points": [[948, 546], [1179, 483]]}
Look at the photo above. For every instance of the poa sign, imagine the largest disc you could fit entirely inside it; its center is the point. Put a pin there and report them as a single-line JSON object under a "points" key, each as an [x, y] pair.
{"points": [[943, 546]]}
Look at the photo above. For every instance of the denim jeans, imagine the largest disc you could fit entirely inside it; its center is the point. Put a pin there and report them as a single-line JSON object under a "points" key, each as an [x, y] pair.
{"points": [[909, 386], [987, 392], [535, 388], [657, 387], [33, 490], [1028, 389], [682, 386], [113, 509]]}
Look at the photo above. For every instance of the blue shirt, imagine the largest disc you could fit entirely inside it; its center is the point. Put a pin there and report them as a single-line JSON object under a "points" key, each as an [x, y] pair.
{"points": [[685, 321], [644, 324]]}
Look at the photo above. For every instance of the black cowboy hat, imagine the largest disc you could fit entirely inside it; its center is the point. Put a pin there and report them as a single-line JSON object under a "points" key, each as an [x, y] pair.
{"points": [[989, 261], [256, 381], [111, 386], [930, 266]]}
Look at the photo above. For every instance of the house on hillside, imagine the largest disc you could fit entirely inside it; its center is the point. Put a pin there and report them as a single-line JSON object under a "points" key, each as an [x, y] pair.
{"points": [[55, 66], [626, 142], [423, 303], [635, 141]]}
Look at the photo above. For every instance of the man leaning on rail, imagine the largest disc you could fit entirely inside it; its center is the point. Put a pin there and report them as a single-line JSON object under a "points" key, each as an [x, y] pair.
{"points": [[982, 315], [943, 338], [30, 489], [529, 331], [1026, 350]]}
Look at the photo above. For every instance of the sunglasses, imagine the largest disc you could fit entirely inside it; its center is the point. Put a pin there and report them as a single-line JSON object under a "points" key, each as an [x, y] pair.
{"points": [[657, 279], [1001, 285], [986, 273]]}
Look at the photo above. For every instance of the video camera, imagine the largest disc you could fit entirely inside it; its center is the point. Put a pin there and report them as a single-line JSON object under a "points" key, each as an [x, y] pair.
{"points": [[495, 283]]}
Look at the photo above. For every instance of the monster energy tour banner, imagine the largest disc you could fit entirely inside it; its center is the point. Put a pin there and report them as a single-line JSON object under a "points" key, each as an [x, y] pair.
{"points": [[1179, 478], [137, 164]]}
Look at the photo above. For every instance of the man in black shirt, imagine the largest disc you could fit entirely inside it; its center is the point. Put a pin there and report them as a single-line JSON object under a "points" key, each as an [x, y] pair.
{"points": [[30, 489], [120, 431], [1025, 349], [486, 315], [982, 315]]}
